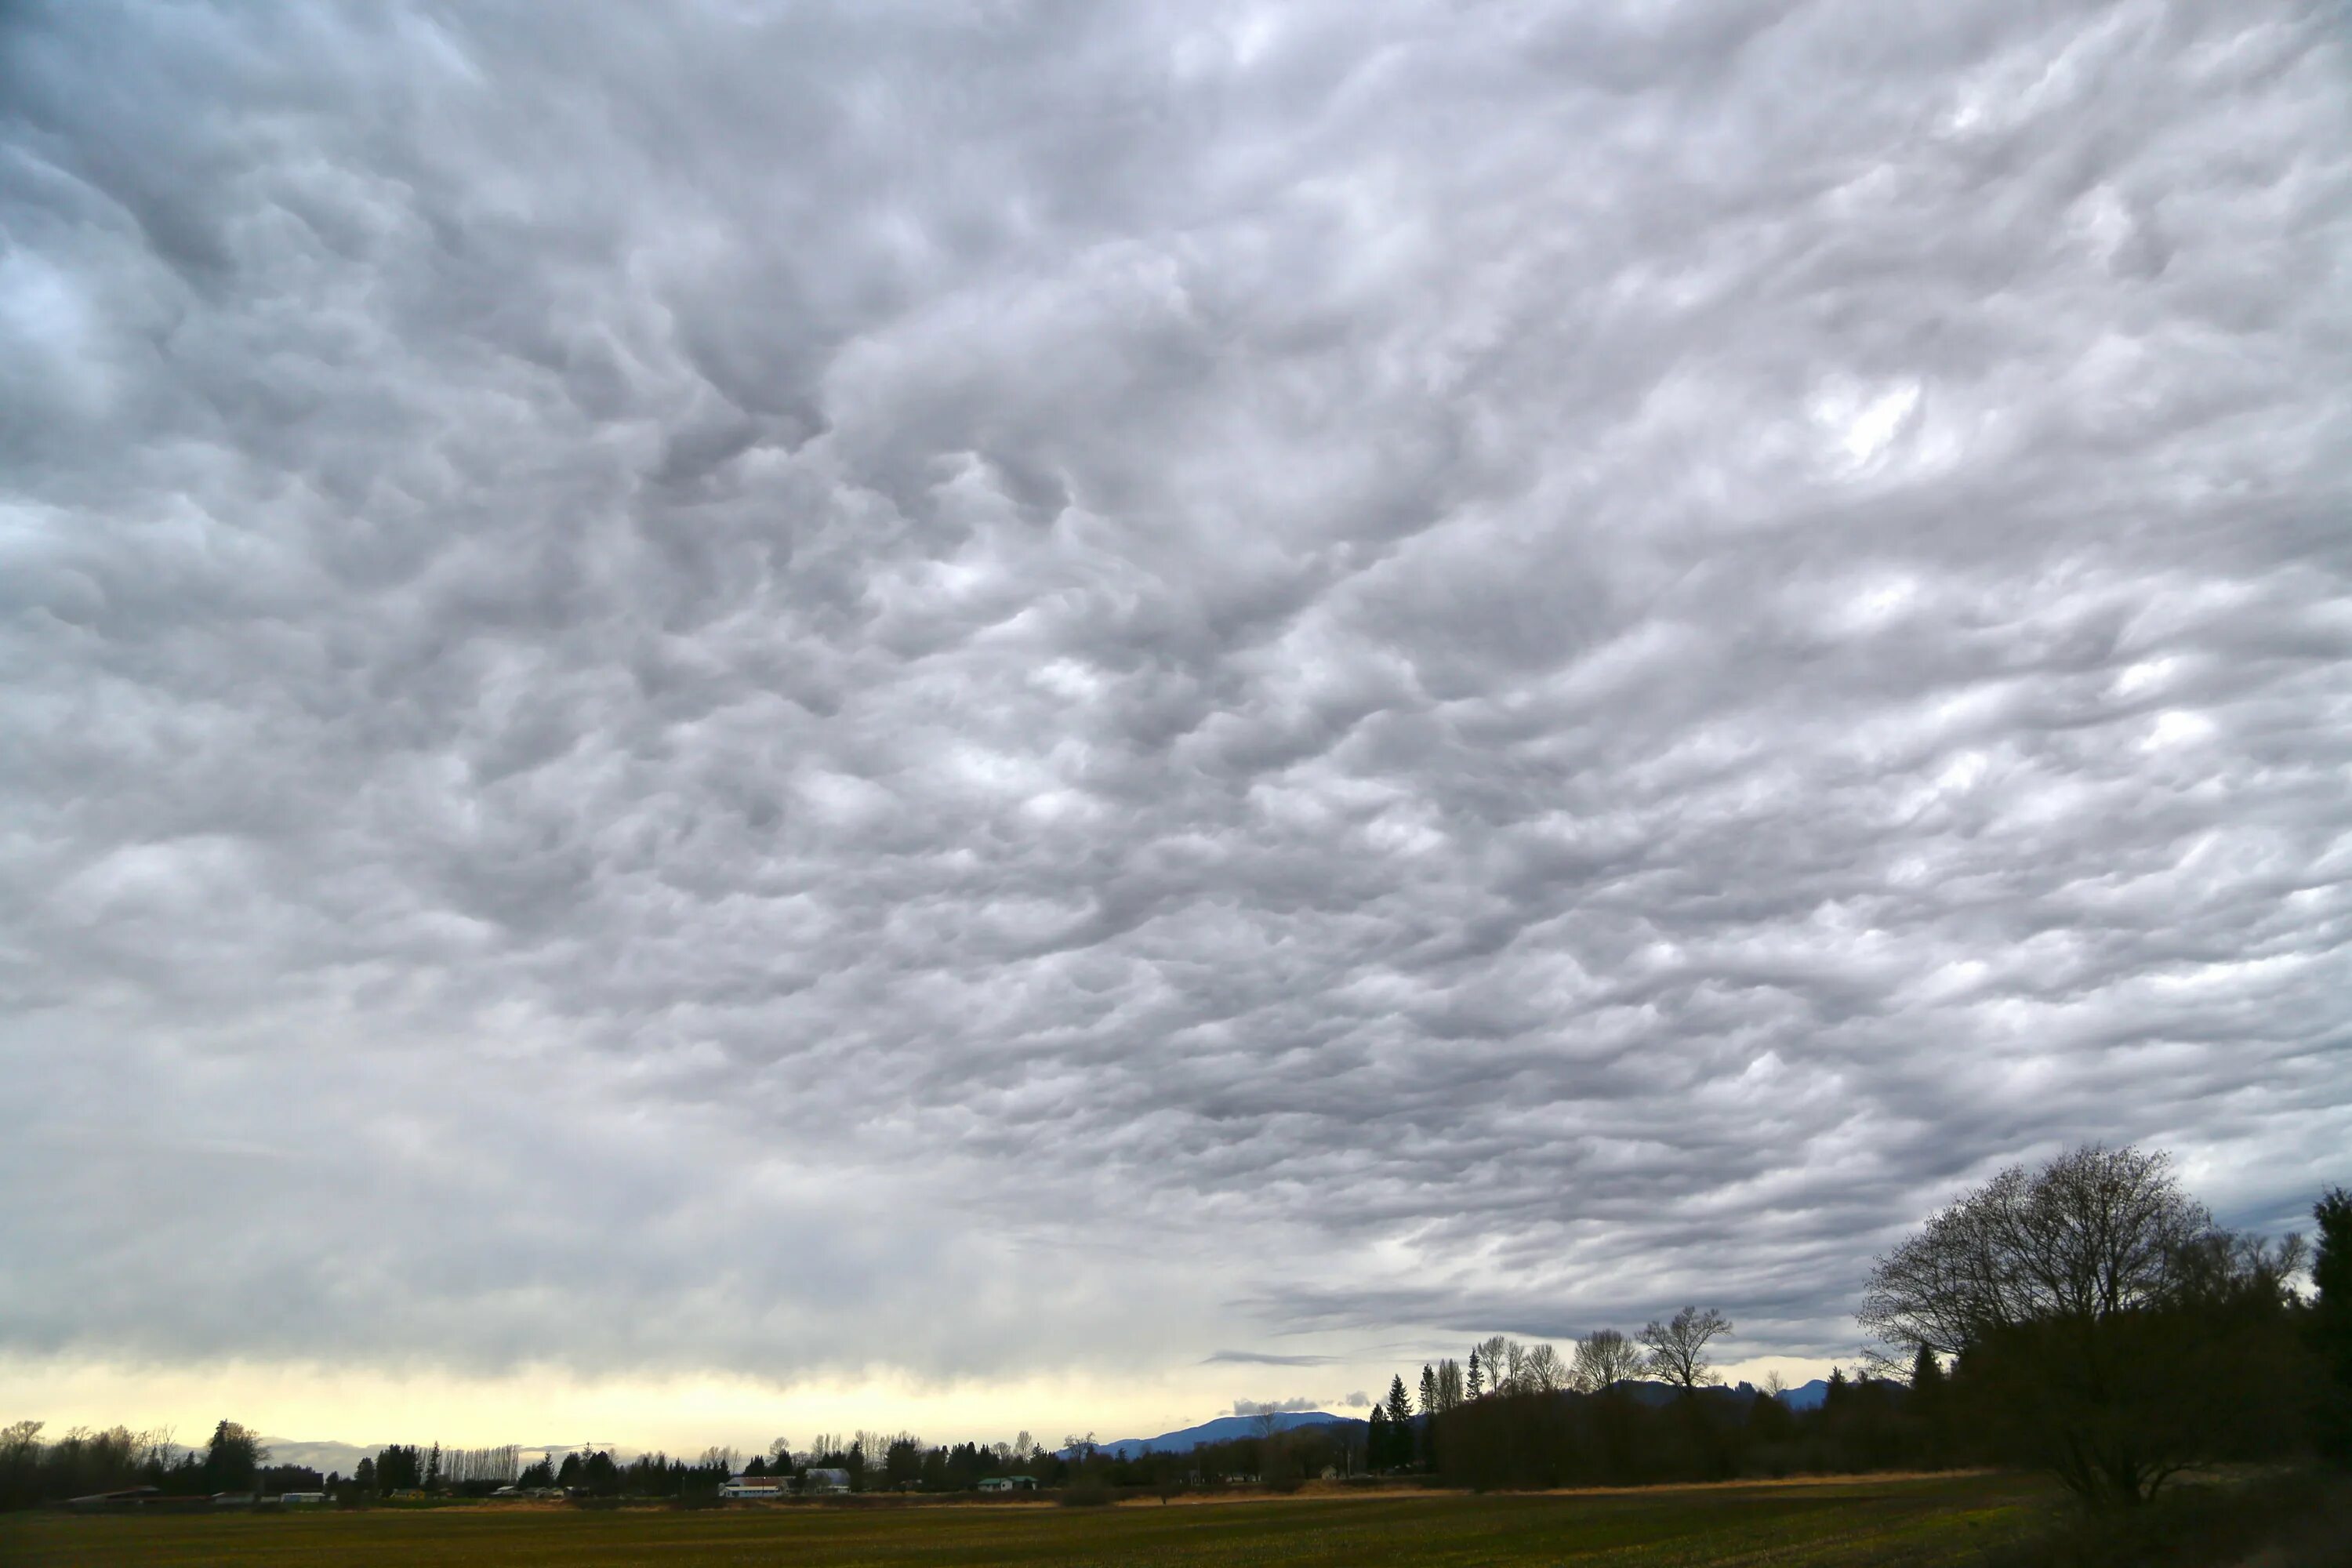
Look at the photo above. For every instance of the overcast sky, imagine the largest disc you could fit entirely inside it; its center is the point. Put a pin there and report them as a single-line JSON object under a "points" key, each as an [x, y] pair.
{"points": [[1056, 712]]}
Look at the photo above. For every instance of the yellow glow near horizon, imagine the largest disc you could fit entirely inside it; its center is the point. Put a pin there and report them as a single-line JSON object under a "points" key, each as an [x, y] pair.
{"points": [[683, 1415], [549, 1405]]}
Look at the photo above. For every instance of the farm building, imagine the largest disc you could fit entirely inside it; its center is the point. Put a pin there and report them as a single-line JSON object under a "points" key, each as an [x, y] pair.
{"points": [[756, 1487]]}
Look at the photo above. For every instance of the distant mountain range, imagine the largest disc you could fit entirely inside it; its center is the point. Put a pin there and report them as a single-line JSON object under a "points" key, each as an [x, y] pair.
{"points": [[326, 1458], [1811, 1395], [344, 1458], [1224, 1429], [1806, 1395], [1645, 1392]]}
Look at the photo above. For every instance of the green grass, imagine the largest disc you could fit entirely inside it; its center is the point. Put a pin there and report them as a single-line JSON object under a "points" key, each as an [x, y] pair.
{"points": [[1942, 1519]]}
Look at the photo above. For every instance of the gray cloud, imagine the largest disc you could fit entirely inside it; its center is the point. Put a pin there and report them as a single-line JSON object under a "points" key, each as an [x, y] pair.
{"points": [[1275, 1407], [1262, 1358], [1172, 675]]}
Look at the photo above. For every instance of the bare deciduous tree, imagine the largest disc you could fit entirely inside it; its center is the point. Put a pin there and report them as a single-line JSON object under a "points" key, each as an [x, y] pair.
{"points": [[1543, 1370], [1494, 1352], [2106, 1330], [1602, 1357], [459, 1466], [1678, 1346], [2093, 1233]]}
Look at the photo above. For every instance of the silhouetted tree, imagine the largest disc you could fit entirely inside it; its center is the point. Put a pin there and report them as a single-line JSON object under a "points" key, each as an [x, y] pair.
{"points": [[1542, 1370], [902, 1461], [2331, 1321], [1497, 1351], [1400, 1419], [1602, 1357], [233, 1459], [2102, 1327], [1678, 1346], [20, 1464], [1928, 1405]]}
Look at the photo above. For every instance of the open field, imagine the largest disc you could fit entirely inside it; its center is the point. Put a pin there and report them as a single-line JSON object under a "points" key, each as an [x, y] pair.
{"points": [[1907, 1522]]}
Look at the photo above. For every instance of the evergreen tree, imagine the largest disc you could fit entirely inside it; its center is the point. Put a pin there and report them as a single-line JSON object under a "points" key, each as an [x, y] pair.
{"points": [[1477, 1375], [1400, 1419], [398, 1468], [2331, 1320], [1428, 1390], [1930, 1407], [233, 1459]]}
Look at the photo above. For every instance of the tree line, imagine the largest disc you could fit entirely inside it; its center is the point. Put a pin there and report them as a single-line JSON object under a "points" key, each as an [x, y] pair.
{"points": [[2088, 1318], [1461, 1409], [232, 1461], [84, 1463]]}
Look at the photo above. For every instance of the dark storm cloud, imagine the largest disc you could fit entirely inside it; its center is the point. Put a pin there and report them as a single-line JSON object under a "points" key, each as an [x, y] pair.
{"points": [[1183, 672]]}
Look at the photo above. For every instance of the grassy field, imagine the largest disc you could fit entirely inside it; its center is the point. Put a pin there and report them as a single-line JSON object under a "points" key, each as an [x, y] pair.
{"points": [[1940, 1520]]}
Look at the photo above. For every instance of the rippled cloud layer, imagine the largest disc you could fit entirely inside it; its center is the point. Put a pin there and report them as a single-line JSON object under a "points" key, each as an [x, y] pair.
{"points": [[818, 686]]}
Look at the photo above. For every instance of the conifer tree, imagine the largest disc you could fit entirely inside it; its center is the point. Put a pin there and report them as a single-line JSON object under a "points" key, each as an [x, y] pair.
{"points": [[1400, 1419], [1927, 1404], [2331, 1320]]}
